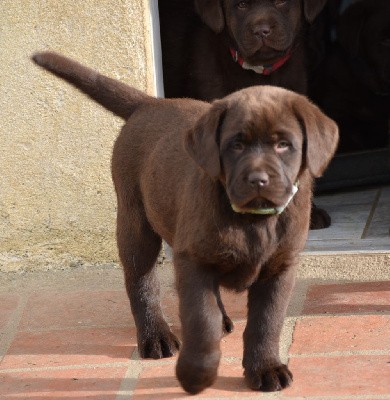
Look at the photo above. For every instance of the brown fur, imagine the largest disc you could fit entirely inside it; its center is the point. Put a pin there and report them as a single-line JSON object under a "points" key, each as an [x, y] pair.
{"points": [[177, 166]]}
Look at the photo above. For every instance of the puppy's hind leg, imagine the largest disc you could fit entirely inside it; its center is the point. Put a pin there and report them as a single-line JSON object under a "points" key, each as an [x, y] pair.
{"points": [[139, 247]]}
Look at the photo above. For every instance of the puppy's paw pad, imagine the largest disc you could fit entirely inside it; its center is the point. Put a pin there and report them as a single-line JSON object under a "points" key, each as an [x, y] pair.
{"points": [[269, 380], [319, 218], [159, 346]]}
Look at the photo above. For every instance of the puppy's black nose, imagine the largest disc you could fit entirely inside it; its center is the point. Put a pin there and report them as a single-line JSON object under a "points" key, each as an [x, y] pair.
{"points": [[262, 30], [258, 179]]}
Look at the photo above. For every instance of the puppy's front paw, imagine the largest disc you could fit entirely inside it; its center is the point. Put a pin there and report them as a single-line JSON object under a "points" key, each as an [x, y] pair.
{"points": [[319, 218], [197, 372], [269, 379], [158, 344]]}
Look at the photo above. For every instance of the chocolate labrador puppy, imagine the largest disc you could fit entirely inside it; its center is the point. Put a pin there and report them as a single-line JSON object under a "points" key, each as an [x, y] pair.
{"points": [[353, 87], [228, 186]]}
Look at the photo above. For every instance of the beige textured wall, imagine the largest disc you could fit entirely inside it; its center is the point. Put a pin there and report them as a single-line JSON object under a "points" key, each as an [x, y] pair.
{"points": [[57, 204]]}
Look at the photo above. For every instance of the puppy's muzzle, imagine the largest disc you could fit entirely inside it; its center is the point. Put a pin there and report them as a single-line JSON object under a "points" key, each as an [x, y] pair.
{"points": [[258, 188]]}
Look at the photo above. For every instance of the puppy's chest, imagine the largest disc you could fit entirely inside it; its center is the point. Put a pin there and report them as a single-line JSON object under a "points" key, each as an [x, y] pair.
{"points": [[241, 254]]}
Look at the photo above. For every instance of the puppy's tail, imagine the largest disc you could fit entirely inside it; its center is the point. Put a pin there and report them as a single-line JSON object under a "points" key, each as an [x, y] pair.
{"points": [[116, 96]]}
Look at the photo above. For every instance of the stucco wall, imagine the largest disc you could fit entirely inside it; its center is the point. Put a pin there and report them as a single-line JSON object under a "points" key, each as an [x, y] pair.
{"points": [[57, 204]]}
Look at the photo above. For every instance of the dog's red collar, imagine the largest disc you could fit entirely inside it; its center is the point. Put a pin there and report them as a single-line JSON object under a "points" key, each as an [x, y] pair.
{"points": [[260, 69]]}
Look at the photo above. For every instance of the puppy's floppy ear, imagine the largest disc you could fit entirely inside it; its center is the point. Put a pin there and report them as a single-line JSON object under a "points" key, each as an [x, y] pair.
{"points": [[322, 135], [311, 8], [201, 142], [211, 12], [349, 27]]}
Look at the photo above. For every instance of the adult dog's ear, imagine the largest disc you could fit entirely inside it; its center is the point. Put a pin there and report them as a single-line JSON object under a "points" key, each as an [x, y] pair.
{"points": [[321, 134], [211, 12], [201, 142], [311, 8], [350, 26]]}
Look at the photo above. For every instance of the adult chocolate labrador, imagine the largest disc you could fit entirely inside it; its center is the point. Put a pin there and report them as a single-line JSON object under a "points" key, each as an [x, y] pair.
{"points": [[228, 186], [250, 42]]}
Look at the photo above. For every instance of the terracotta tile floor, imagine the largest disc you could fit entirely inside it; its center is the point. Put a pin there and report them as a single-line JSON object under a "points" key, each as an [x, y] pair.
{"points": [[75, 339]]}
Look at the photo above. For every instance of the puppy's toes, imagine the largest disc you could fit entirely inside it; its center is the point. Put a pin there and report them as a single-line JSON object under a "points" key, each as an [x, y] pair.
{"points": [[227, 325], [319, 218], [269, 380], [158, 345]]}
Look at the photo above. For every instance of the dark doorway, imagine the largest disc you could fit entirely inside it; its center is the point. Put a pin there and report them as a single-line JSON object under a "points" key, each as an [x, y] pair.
{"points": [[349, 61]]}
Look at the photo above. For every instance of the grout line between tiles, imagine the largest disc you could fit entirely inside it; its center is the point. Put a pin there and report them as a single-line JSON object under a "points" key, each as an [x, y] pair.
{"points": [[68, 367], [12, 326], [129, 383], [347, 353], [80, 327], [371, 215]]}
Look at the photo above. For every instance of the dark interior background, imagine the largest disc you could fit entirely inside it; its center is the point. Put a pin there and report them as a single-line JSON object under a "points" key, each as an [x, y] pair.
{"points": [[349, 78]]}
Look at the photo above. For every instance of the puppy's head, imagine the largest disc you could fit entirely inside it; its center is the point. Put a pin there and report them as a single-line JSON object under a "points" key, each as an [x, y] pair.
{"points": [[261, 30], [258, 141], [364, 32]]}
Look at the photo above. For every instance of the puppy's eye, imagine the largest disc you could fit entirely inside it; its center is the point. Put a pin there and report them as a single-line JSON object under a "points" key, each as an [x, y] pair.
{"points": [[237, 145], [282, 146], [280, 2], [242, 4]]}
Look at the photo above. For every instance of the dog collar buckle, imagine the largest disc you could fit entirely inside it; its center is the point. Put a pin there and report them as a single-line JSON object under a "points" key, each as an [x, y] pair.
{"points": [[259, 69]]}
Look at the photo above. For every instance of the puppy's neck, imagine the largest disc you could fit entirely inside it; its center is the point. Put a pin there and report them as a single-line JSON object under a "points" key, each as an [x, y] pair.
{"points": [[266, 69]]}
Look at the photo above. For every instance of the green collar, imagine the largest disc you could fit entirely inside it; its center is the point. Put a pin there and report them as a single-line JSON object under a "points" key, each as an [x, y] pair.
{"points": [[268, 211]]}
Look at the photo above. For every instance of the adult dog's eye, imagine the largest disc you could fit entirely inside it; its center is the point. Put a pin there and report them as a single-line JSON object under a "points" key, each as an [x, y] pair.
{"points": [[242, 4], [282, 146]]}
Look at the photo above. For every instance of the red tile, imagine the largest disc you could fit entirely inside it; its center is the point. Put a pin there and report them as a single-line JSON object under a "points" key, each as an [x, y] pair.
{"points": [[235, 304], [348, 298], [232, 344], [96, 383], [340, 376], [70, 347], [341, 333], [56, 310], [159, 382], [230, 383], [8, 305]]}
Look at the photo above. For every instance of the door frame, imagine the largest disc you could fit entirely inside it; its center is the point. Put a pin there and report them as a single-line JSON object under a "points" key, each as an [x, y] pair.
{"points": [[156, 48]]}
